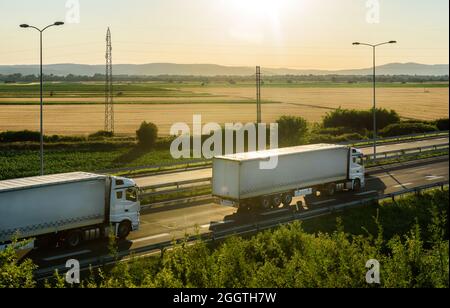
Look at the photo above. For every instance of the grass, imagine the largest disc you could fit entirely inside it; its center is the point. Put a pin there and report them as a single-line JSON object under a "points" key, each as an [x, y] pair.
{"points": [[24, 163]]}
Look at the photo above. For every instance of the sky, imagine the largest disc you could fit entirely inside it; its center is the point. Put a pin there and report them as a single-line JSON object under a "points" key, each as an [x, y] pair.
{"points": [[302, 34]]}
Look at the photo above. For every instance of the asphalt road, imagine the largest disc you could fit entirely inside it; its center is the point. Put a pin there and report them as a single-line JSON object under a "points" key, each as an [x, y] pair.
{"points": [[207, 173], [164, 225]]}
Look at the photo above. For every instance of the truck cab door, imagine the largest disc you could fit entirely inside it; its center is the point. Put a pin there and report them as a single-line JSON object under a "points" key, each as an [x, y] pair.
{"points": [[357, 169]]}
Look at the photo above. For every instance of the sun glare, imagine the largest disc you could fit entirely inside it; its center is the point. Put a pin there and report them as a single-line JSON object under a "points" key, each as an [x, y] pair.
{"points": [[255, 9]]}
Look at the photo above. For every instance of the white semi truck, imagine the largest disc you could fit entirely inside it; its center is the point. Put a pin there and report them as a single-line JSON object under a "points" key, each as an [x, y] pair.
{"points": [[67, 208], [240, 180]]}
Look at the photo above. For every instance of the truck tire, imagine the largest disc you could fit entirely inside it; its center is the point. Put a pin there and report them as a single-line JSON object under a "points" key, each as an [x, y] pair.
{"points": [[357, 185], [287, 200], [276, 201], [265, 203], [123, 230], [331, 190], [74, 239]]}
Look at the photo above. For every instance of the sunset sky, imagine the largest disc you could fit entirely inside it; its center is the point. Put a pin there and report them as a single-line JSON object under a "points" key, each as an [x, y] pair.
{"points": [[271, 33]]}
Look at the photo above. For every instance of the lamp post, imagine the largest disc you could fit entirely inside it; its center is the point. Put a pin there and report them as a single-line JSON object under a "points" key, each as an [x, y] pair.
{"points": [[374, 46], [58, 23]]}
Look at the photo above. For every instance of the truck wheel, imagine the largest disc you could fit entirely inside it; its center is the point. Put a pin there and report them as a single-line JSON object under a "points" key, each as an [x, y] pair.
{"points": [[357, 185], [74, 239], [124, 230], [276, 201], [287, 200], [331, 190], [265, 203]]}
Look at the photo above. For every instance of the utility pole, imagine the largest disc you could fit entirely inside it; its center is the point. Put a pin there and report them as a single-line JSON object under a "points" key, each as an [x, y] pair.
{"points": [[374, 82], [258, 94], [41, 79], [109, 103]]}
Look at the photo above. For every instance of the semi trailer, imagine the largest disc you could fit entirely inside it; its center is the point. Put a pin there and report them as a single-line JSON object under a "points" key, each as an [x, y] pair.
{"points": [[321, 169], [66, 209]]}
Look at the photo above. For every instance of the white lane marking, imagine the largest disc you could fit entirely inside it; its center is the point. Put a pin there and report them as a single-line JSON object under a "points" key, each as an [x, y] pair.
{"points": [[83, 252], [402, 185], [433, 177], [215, 224], [323, 202], [367, 193], [274, 212], [386, 176], [418, 169], [150, 237]]}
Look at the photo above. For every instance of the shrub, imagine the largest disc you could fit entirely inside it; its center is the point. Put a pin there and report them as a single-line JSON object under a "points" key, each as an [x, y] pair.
{"points": [[359, 120], [147, 135], [292, 130], [407, 129], [20, 136], [442, 124], [327, 138], [101, 134]]}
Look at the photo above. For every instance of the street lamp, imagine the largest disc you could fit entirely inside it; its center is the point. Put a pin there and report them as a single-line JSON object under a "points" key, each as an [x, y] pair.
{"points": [[58, 23], [374, 92]]}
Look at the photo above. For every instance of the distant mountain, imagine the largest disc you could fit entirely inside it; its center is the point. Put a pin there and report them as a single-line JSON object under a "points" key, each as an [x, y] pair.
{"points": [[155, 69]]}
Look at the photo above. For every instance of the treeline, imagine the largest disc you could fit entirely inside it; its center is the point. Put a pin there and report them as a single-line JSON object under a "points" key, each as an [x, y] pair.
{"points": [[343, 125], [409, 238], [13, 78]]}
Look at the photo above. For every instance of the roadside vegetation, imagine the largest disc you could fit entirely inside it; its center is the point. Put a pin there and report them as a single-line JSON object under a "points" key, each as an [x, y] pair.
{"points": [[408, 237], [19, 151]]}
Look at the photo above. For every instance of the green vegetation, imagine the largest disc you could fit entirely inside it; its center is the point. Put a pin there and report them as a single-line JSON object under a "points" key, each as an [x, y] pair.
{"points": [[443, 124], [147, 135], [400, 129], [13, 273], [19, 151], [360, 120], [408, 237], [292, 130]]}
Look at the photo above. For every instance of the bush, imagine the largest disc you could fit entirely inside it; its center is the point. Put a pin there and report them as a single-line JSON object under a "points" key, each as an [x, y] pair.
{"points": [[292, 130], [20, 136], [360, 120], [101, 134], [328, 138], [442, 124], [147, 135], [407, 129]]}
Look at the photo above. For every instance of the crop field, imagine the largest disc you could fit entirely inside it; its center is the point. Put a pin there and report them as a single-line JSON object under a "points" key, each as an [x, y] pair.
{"points": [[76, 108]]}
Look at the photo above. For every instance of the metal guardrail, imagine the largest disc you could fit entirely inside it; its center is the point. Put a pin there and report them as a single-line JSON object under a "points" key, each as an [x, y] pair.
{"points": [[417, 137], [406, 152], [202, 163], [249, 228]]}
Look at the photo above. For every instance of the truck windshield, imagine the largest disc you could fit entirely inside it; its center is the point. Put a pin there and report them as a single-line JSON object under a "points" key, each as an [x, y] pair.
{"points": [[131, 195], [358, 160]]}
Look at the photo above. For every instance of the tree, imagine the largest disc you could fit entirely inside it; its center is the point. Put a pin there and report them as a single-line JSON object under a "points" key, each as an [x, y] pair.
{"points": [[292, 130], [147, 135]]}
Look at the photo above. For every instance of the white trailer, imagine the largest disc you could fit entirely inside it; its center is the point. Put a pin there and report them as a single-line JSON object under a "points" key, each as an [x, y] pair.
{"points": [[302, 170], [67, 208]]}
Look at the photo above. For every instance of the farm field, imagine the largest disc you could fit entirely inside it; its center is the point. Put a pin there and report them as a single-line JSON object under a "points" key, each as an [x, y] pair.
{"points": [[76, 109]]}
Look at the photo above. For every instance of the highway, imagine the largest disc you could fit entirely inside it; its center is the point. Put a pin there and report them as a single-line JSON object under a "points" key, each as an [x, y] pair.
{"points": [[161, 225], [207, 173]]}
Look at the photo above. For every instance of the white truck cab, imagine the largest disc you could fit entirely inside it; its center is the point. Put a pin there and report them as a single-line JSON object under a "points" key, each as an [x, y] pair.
{"points": [[125, 204], [357, 169]]}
